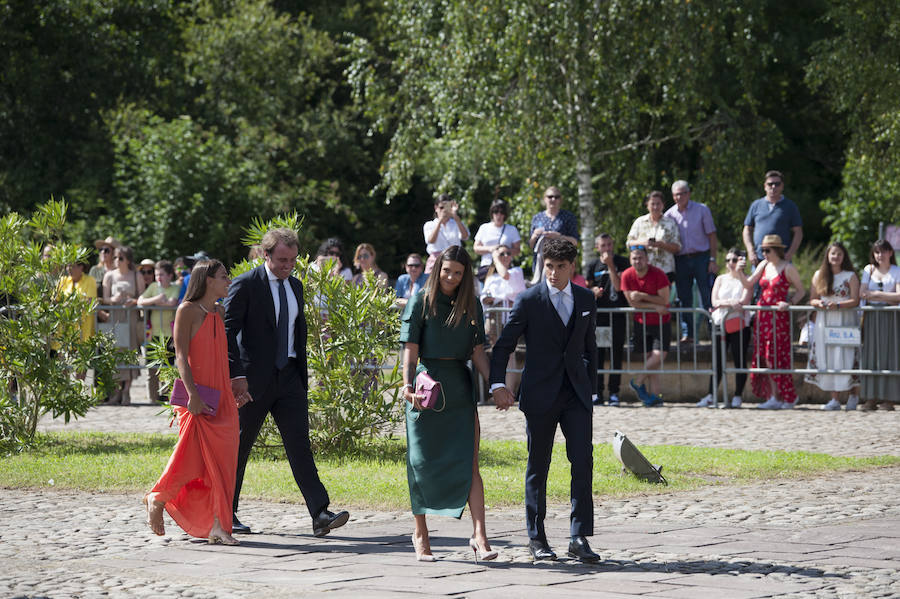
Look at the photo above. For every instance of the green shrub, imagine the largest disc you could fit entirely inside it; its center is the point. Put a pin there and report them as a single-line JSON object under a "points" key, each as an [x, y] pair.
{"points": [[352, 331], [41, 347]]}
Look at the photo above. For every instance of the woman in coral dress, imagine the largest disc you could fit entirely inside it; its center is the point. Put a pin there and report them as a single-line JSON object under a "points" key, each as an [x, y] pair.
{"points": [[772, 342], [197, 486]]}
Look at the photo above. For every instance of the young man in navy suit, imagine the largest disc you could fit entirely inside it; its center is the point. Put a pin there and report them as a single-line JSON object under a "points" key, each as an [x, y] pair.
{"points": [[559, 383], [266, 332]]}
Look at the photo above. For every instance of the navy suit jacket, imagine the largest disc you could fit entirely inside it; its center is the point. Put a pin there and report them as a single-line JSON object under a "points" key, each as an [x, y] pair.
{"points": [[551, 351], [250, 326]]}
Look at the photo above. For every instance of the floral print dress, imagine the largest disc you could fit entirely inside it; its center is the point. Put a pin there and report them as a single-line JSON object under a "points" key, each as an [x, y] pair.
{"points": [[772, 343]]}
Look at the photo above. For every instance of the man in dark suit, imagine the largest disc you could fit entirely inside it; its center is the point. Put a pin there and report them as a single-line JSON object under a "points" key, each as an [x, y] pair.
{"points": [[266, 332], [559, 383]]}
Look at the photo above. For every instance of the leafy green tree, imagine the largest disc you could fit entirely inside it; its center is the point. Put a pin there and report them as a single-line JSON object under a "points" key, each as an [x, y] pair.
{"points": [[857, 68], [586, 95], [40, 331]]}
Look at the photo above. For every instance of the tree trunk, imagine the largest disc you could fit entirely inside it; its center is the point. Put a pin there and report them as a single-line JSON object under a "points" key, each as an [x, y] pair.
{"points": [[586, 211]]}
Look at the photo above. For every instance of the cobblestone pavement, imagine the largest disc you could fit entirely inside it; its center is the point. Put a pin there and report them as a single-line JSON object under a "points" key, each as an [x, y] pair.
{"points": [[833, 536]]}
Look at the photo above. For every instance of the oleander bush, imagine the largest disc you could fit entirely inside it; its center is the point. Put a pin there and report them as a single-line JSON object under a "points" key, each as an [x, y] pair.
{"points": [[41, 346], [352, 332]]}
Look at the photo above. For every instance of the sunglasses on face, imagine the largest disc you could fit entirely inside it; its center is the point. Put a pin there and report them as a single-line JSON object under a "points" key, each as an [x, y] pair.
{"points": [[414, 265], [733, 260], [637, 247], [364, 256], [105, 250], [335, 254], [773, 184], [145, 271], [552, 197], [767, 250]]}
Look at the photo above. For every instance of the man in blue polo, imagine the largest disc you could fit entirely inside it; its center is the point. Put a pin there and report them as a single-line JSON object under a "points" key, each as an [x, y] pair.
{"points": [[772, 214], [697, 256]]}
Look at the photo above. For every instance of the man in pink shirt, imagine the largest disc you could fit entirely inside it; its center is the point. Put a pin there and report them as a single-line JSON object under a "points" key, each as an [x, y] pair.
{"points": [[647, 288]]}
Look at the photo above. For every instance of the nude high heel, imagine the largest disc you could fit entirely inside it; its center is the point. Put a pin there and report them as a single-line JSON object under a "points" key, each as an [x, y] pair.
{"points": [[421, 556], [485, 556]]}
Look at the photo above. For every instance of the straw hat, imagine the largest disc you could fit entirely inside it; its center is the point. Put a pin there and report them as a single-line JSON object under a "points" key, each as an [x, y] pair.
{"points": [[148, 262], [110, 241], [772, 241]]}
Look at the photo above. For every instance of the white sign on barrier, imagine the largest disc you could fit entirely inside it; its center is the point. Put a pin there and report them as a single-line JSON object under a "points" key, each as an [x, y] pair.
{"points": [[842, 336], [604, 336]]}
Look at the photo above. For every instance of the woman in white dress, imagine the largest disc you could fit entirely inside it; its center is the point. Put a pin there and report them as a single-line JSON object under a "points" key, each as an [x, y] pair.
{"points": [[835, 295]]}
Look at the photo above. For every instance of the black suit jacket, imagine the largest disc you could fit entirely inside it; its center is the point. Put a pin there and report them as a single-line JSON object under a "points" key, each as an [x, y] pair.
{"points": [[552, 352], [250, 325]]}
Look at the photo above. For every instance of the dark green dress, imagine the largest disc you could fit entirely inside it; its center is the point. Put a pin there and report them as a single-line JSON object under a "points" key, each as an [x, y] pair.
{"points": [[441, 445]]}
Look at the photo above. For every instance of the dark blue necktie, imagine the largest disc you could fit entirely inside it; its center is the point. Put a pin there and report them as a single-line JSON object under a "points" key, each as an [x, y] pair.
{"points": [[281, 354]]}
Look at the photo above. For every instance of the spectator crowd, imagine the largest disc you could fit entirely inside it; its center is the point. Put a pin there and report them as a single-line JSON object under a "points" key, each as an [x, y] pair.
{"points": [[671, 261]]}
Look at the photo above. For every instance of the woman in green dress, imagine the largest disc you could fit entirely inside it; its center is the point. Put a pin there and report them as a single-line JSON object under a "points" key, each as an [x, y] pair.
{"points": [[442, 329]]}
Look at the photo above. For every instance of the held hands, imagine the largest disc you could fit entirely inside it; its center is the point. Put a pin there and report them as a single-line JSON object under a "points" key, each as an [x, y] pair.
{"points": [[240, 391], [503, 399], [782, 306]]}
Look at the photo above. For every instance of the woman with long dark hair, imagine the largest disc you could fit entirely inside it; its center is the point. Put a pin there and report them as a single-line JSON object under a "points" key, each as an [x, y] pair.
{"points": [[835, 294], [197, 486], [442, 329], [880, 286]]}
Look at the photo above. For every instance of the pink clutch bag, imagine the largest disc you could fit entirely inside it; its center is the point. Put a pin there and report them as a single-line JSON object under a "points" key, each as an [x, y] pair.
{"points": [[429, 389], [209, 396]]}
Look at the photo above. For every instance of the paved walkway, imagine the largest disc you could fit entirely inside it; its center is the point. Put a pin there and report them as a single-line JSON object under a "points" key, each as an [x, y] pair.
{"points": [[833, 536]]}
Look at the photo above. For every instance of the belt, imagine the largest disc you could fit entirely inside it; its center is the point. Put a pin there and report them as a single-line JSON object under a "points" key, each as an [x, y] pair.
{"points": [[691, 254]]}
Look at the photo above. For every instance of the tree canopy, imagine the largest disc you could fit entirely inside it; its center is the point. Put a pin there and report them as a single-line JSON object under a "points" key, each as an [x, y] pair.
{"points": [[172, 123]]}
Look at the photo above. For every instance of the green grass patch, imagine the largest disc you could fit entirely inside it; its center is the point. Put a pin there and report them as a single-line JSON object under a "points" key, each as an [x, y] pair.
{"points": [[376, 479]]}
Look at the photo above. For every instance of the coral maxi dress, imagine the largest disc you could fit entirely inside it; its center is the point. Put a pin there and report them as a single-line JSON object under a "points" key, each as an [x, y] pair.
{"points": [[198, 482]]}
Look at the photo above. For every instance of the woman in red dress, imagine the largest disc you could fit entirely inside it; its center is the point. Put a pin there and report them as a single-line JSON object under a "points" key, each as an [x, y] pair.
{"points": [[197, 486], [772, 343]]}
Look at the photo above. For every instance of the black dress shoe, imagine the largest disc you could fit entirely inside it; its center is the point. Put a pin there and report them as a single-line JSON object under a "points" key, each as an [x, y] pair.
{"points": [[327, 521], [580, 550], [540, 550], [237, 528]]}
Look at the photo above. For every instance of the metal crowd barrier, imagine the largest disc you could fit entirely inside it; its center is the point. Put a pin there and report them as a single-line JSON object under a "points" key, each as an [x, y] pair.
{"points": [[681, 359], [850, 336], [119, 325]]}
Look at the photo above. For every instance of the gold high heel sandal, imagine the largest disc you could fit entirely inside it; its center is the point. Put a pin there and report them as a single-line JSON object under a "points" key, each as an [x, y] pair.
{"points": [[485, 556], [223, 537]]}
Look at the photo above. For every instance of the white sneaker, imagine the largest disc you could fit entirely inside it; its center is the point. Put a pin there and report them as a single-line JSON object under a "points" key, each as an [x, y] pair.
{"points": [[771, 404], [852, 402], [788, 405], [736, 401], [832, 405], [706, 402]]}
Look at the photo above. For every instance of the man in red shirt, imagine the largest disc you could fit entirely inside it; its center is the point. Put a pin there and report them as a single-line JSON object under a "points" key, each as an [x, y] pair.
{"points": [[647, 288]]}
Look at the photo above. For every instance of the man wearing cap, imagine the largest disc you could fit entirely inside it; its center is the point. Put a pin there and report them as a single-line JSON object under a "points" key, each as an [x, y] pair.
{"points": [[772, 214], [697, 257]]}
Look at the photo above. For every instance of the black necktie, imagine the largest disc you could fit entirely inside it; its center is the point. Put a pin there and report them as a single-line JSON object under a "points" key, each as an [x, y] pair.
{"points": [[281, 354]]}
